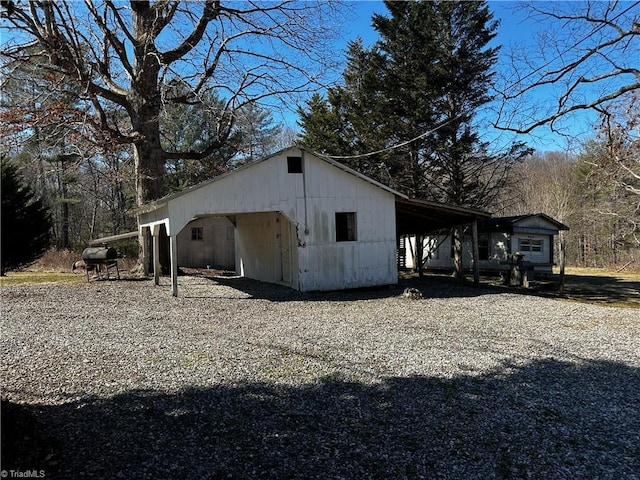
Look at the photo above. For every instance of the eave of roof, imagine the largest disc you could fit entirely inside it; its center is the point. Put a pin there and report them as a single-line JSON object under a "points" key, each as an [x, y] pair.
{"points": [[503, 223], [154, 205], [414, 216]]}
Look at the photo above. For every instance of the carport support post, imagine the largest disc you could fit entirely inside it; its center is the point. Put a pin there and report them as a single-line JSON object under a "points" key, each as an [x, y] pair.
{"points": [[173, 245], [476, 253], [155, 232]]}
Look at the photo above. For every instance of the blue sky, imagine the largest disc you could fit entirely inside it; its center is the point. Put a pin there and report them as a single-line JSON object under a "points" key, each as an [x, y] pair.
{"points": [[514, 29]]}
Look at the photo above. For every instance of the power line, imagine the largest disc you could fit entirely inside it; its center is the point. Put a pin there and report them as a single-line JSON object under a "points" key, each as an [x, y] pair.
{"points": [[393, 147]]}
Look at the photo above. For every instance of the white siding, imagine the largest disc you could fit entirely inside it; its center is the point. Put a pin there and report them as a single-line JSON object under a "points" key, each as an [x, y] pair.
{"points": [[500, 244], [258, 194], [216, 247], [542, 256]]}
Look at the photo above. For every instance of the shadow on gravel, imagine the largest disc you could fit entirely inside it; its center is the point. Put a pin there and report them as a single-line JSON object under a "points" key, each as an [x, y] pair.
{"points": [[600, 290], [429, 286], [545, 420]]}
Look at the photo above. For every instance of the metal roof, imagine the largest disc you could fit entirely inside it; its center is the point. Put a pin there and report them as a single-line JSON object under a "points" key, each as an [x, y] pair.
{"points": [[509, 222], [415, 216]]}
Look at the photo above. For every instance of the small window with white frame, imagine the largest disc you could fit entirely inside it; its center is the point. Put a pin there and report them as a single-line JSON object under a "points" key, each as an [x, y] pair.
{"points": [[530, 245], [197, 233]]}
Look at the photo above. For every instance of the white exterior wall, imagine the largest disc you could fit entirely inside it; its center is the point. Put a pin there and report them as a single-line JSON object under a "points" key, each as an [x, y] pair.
{"points": [[544, 256], [308, 202], [256, 247], [500, 245], [215, 248], [370, 260]]}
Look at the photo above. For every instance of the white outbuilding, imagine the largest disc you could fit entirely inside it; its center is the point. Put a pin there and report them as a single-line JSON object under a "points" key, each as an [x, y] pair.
{"points": [[295, 218]]}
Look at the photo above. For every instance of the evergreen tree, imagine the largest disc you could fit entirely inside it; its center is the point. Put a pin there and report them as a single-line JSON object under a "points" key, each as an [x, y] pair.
{"points": [[258, 134], [26, 223], [418, 92]]}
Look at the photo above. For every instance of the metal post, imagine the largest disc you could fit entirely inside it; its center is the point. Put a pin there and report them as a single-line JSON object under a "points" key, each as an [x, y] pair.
{"points": [[563, 256], [174, 264]]}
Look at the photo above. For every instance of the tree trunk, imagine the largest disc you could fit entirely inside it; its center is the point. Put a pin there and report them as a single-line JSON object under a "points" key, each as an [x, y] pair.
{"points": [[64, 205], [458, 267], [145, 107], [148, 155]]}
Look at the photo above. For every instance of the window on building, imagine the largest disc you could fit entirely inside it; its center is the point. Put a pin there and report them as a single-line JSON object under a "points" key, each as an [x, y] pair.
{"points": [[530, 245], [346, 227], [196, 233], [536, 245], [294, 164]]}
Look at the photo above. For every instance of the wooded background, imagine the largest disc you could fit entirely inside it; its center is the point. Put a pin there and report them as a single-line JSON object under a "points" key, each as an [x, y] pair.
{"points": [[74, 92]]}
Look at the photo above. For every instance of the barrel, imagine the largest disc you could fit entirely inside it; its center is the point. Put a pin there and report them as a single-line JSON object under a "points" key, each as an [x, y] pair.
{"points": [[93, 255]]}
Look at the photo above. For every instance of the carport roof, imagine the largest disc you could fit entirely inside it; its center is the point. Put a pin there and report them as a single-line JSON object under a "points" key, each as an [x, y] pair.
{"points": [[415, 216]]}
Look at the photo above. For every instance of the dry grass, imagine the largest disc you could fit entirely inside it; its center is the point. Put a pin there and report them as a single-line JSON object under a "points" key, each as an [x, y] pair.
{"points": [[626, 275], [55, 261], [55, 266], [603, 286], [33, 278]]}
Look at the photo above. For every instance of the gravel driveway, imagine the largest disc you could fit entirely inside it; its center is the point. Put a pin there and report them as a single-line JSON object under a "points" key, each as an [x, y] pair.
{"points": [[237, 379]]}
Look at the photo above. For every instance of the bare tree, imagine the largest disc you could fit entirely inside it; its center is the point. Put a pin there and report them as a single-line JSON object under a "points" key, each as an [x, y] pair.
{"points": [[588, 56], [124, 61], [543, 182], [615, 164]]}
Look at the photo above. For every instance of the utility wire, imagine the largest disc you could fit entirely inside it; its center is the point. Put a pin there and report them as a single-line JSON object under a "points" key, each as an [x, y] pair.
{"points": [[557, 57], [393, 147]]}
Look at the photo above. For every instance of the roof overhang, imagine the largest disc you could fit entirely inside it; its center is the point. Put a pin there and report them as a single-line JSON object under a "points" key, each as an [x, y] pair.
{"points": [[415, 216], [113, 239]]}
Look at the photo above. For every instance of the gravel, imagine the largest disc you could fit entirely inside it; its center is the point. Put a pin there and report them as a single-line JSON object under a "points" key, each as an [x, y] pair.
{"points": [[238, 379]]}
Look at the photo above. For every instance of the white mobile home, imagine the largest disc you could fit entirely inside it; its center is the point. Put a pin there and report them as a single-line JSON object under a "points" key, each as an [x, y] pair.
{"points": [[531, 236]]}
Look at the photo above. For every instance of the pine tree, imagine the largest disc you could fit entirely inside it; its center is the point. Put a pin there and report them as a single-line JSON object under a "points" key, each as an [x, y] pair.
{"points": [[26, 223], [418, 93], [257, 133]]}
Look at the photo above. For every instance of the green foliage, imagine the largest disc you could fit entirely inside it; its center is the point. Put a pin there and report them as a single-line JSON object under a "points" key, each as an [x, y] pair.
{"points": [[196, 126], [257, 134], [26, 222], [413, 98]]}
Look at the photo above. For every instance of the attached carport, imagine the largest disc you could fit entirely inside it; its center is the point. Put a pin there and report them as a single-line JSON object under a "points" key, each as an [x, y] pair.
{"points": [[299, 219], [422, 217]]}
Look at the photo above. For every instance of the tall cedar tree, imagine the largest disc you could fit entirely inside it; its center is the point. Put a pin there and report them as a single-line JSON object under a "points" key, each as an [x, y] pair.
{"points": [[26, 223], [432, 67]]}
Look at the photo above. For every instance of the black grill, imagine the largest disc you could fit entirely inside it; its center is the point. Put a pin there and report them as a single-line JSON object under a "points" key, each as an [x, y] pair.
{"points": [[95, 258]]}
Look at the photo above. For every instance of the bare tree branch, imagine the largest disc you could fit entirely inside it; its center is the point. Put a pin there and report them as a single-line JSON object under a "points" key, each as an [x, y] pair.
{"points": [[126, 60], [594, 61]]}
